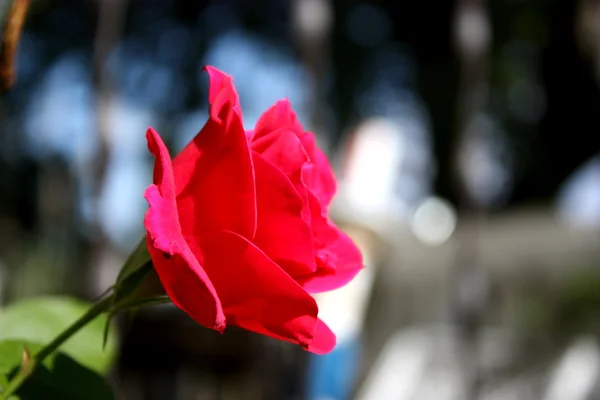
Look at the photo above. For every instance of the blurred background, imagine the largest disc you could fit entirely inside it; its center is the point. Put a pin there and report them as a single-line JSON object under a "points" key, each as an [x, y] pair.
{"points": [[466, 138]]}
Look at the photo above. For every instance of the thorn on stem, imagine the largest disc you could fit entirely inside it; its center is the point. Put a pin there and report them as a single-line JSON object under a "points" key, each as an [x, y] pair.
{"points": [[27, 363]]}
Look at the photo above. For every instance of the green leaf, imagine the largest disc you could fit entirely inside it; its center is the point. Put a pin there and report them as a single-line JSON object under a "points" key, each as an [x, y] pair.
{"points": [[134, 283], [137, 260], [39, 320], [58, 378], [63, 378]]}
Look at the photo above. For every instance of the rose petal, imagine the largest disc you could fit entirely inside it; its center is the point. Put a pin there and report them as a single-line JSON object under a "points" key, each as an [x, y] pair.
{"points": [[323, 230], [283, 149], [282, 233], [258, 295], [278, 116], [221, 90], [338, 262], [215, 178], [324, 339], [318, 175], [179, 271]]}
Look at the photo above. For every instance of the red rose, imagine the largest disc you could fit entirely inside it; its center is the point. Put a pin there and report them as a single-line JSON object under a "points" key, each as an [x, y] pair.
{"points": [[237, 226]]}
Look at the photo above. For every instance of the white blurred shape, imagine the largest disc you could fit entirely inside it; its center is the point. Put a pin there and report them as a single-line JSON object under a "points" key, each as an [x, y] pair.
{"points": [[312, 18], [397, 373], [386, 171], [438, 385], [472, 28], [434, 221], [577, 372], [579, 197], [374, 165]]}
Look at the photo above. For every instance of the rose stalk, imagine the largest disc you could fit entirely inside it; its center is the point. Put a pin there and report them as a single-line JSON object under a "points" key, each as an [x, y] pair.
{"points": [[238, 231]]}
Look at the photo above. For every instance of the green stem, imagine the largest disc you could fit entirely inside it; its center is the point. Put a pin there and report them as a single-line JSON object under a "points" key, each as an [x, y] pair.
{"points": [[29, 365]]}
